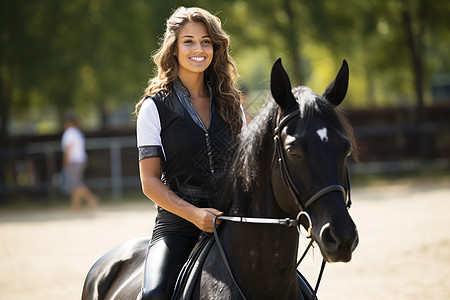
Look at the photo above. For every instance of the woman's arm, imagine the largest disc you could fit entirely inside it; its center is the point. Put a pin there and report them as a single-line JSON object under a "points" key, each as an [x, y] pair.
{"points": [[158, 192]]}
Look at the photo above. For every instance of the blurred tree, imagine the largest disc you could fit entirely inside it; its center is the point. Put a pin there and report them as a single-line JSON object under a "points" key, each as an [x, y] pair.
{"points": [[420, 19], [392, 43], [271, 24], [390, 38], [96, 53], [413, 23], [118, 51], [16, 51], [79, 53]]}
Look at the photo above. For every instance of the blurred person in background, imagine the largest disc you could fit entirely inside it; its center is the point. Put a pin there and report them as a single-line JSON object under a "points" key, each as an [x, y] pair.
{"points": [[74, 164], [187, 122]]}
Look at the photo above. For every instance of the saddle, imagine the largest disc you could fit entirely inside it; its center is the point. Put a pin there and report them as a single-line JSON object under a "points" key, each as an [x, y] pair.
{"points": [[192, 268]]}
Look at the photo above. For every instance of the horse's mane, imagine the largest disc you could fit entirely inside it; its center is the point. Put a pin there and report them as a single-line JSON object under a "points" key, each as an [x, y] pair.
{"points": [[253, 143]]}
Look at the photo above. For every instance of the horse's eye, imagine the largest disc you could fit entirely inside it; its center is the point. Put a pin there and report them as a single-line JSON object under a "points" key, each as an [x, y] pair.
{"points": [[292, 151], [292, 145]]}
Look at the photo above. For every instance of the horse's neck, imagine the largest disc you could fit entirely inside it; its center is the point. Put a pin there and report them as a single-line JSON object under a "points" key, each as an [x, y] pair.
{"points": [[262, 255]]}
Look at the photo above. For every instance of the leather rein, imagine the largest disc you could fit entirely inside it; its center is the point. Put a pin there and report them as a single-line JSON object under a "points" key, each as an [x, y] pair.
{"points": [[288, 222]]}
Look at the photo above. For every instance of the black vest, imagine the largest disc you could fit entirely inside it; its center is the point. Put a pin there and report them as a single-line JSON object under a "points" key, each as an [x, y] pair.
{"points": [[196, 161]]}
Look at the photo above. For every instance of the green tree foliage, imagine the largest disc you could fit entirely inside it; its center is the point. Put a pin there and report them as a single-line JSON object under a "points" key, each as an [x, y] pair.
{"points": [[272, 25], [80, 53], [395, 41], [95, 54]]}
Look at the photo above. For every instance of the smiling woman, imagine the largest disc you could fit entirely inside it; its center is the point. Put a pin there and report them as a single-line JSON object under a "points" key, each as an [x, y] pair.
{"points": [[195, 52], [188, 120]]}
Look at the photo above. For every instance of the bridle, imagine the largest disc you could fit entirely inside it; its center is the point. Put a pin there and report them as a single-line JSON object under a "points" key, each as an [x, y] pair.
{"points": [[287, 178], [280, 157]]}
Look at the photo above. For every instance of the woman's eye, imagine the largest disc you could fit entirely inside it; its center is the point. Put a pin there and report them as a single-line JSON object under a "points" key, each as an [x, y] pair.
{"points": [[207, 42]]}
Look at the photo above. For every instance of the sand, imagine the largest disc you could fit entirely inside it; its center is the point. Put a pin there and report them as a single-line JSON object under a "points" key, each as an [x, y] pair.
{"points": [[404, 249]]}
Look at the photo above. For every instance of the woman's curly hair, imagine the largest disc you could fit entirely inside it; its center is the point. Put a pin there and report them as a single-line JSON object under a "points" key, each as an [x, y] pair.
{"points": [[221, 74]]}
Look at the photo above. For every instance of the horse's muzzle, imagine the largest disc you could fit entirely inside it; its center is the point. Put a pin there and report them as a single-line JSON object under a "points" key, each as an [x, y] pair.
{"points": [[337, 247]]}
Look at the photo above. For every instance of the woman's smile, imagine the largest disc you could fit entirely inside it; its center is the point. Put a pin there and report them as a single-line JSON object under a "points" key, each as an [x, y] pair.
{"points": [[198, 58]]}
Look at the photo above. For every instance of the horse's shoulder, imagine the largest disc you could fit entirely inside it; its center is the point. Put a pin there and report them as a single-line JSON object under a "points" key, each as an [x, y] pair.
{"points": [[131, 248], [125, 251], [125, 258]]}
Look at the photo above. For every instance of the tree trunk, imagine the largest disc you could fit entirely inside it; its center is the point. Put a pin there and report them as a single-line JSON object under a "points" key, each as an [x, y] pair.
{"points": [[293, 43], [415, 44], [415, 41], [5, 103]]}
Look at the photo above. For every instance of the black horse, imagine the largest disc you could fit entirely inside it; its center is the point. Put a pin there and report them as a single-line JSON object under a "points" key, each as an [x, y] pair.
{"points": [[291, 166]]}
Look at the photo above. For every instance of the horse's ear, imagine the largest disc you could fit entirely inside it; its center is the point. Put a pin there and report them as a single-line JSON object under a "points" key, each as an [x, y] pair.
{"points": [[337, 89], [280, 86]]}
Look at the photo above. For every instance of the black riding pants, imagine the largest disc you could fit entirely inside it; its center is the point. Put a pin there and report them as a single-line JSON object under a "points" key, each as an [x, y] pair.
{"points": [[172, 241]]}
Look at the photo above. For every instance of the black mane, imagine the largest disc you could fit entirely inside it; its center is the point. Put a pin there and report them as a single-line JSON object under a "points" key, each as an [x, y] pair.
{"points": [[252, 145]]}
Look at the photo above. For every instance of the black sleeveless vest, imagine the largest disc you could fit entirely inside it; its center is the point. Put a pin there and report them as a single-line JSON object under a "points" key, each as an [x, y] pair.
{"points": [[196, 161]]}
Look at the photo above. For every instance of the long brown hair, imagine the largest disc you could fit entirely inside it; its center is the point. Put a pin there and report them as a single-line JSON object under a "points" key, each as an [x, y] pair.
{"points": [[221, 74]]}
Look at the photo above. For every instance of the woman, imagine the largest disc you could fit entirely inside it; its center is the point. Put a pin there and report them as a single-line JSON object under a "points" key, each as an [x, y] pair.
{"points": [[187, 122]]}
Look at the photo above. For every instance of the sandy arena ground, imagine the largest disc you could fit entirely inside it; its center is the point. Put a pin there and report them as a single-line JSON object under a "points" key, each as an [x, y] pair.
{"points": [[404, 250]]}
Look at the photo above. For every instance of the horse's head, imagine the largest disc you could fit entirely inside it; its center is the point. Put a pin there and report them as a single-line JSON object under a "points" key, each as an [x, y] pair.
{"points": [[312, 144]]}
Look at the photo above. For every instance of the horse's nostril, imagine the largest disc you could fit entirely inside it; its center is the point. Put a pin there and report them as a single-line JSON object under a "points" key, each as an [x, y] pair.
{"points": [[328, 238]]}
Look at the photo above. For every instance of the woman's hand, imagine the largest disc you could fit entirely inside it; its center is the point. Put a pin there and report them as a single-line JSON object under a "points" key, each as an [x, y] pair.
{"points": [[205, 218], [153, 188]]}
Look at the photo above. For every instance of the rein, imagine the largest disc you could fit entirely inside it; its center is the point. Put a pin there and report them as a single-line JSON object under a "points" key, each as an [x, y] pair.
{"points": [[287, 179]]}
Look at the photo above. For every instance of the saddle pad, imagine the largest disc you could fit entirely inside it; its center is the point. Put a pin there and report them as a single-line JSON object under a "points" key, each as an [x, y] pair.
{"points": [[192, 268]]}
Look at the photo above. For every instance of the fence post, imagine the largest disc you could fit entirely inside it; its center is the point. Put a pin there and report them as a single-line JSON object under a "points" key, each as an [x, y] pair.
{"points": [[116, 170], [50, 162]]}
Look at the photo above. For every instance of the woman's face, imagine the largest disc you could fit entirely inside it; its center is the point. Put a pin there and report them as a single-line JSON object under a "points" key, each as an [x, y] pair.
{"points": [[194, 48]]}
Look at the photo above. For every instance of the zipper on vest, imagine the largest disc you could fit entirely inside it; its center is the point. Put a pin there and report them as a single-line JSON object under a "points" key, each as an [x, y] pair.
{"points": [[209, 152]]}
